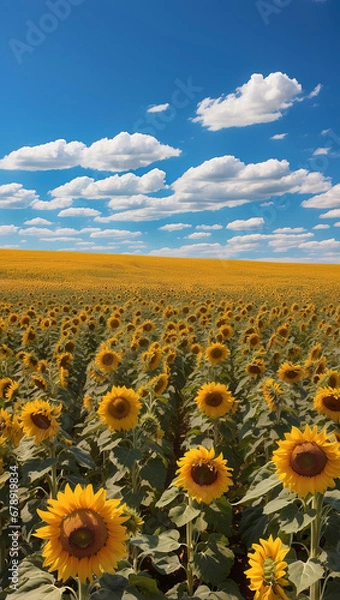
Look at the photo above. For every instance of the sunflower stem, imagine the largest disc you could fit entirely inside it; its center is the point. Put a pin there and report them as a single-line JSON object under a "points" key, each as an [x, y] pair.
{"points": [[317, 502], [83, 590], [54, 484], [189, 540]]}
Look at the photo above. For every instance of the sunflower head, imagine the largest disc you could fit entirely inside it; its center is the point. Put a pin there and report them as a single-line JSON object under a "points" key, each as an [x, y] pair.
{"points": [[267, 570], [39, 420], [327, 402], [215, 400], [120, 408], [307, 461], [271, 393], [291, 373], [85, 533], [216, 353], [203, 475], [107, 360]]}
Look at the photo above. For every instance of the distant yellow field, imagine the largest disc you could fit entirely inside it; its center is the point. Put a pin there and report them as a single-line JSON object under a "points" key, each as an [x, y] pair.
{"points": [[33, 270]]}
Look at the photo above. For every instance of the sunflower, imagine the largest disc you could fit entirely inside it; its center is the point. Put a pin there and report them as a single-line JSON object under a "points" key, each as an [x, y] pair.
{"points": [[119, 409], [151, 358], [215, 400], [271, 393], [204, 476], [256, 367], [8, 388], [268, 569], [16, 432], [290, 373], [159, 383], [216, 353], [327, 402], [331, 378], [307, 461], [106, 360], [39, 420], [85, 533], [5, 422]]}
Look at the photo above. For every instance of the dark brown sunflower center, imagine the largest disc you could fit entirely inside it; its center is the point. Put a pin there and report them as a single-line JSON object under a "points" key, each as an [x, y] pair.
{"points": [[108, 359], [331, 402], [332, 381], [83, 533], [204, 473], [254, 369], [41, 421], [308, 459], [214, 399], [216, 353], [119, 408], [291, 374]]}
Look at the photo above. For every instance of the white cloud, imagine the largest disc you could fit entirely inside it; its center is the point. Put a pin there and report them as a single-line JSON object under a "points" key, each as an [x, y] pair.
{"points": [[79, 212], [289, 230], [174, 226], [8, 229], [198, 235], [209, 227], [279, 136], [38, 221], [158, 108], [217, 183], [203, 249], [329, 245], [120, 233], [322, 225], [54, 204], [244, 224], [318, 87], [337, 224], [330, 199], [123, 152], [320, 151], [260, 100], [14, 195], [331, 214], [50, 233], [116, 185]]}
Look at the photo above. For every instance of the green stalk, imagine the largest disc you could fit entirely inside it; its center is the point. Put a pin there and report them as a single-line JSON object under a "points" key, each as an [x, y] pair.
{"points": [[83, 590], [315, 589], [189, 540], [53, 480]]}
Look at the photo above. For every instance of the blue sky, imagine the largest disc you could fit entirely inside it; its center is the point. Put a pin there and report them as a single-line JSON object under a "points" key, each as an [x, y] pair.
{"points": [[194, 129]]}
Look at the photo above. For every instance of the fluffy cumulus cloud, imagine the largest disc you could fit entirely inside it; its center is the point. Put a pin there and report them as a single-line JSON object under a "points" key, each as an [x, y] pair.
{"points": [[260, 100], [330, 199], [79, 212], [222, 182], [8, 229], [322, 225], [214, 227], [123, 152], [116, 185], [330, 214], [38, 221], [115, 233], [244, 224], [198, 235], [14, 195], [174, 227], [54, 204]]}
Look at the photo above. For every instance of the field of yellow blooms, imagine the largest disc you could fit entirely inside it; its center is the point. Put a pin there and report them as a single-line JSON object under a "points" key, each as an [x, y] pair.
{"points": [[169, 428]]}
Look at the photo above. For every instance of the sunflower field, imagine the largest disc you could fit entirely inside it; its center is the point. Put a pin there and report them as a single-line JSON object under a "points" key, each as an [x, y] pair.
{"points": [[169, 429]]}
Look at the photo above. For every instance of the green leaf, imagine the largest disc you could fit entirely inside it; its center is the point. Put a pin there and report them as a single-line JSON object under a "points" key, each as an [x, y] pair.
{"points": [[154, 472], [126, 457], [213, 561], [153, 544], [231, 591], [167, 564], [261, 489], [83, 458], [332, 591], [218, 515], [145, 585], [333, 498], [253, 524], [35, 584], [284, 499], [182, 514], [37, 469], [304, 574], [168, 496], [293, 520]]}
